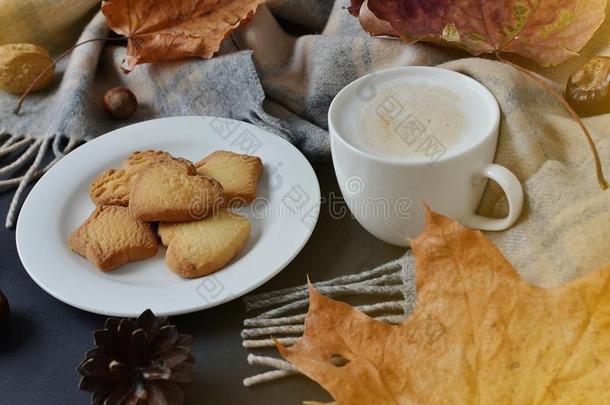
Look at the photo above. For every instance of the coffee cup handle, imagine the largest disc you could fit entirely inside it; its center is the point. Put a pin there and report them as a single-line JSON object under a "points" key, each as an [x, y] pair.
{"points": [[514, 194]]}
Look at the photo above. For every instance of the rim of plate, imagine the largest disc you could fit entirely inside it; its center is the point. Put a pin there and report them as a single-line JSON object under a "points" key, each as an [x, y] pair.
{"points": [[25, 227]]}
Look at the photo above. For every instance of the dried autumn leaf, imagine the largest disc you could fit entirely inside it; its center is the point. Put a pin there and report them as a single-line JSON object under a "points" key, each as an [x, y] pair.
{"points": [[354, 7], [478, 334], [161, 30], [546, 31], [369, 21]]}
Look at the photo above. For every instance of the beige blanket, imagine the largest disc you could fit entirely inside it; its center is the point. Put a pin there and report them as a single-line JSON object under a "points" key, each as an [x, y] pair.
{"points": [[564, 230], [55, 24]]}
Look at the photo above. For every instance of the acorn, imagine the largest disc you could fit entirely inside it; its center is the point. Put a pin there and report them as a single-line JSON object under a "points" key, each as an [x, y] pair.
{"points": [[120, 102], [588, 89]]}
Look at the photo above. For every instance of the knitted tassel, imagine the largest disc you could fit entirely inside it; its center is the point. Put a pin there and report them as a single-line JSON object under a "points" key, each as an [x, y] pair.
{"points": [[391, 287], [28, 155]]}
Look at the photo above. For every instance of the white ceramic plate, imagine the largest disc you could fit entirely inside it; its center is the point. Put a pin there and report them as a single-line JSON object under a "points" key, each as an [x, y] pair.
{"points": [[283, 218]]}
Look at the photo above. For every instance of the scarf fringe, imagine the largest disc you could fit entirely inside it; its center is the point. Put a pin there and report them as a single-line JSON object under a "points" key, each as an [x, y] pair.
{"points": [[30, 156], [392, 285]]}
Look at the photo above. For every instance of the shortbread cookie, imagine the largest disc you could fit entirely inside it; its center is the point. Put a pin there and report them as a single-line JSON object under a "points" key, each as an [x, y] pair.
{"points": [[112, 236], [238, 174], [112, 186], [172, 191], [140, 159], [198, 248]]}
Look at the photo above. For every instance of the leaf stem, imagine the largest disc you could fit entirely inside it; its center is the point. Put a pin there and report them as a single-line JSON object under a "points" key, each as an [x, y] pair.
{"points": [[603, 184], [60, 57]]}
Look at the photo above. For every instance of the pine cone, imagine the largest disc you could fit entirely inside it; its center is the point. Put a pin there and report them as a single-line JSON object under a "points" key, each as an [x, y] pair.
{"points": [[138, 361]]}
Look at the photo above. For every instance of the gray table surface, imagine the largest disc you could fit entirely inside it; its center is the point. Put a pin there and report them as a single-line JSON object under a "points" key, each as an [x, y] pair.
{"points": [[49, 338]]}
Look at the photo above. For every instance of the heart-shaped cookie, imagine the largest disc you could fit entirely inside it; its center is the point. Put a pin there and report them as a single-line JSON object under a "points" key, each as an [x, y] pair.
{"points": [[172, 191], [198, 248], [112, 186]]}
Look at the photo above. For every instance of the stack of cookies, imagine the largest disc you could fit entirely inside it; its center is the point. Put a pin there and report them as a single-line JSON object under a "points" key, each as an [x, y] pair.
{"points": [[189, 205]]}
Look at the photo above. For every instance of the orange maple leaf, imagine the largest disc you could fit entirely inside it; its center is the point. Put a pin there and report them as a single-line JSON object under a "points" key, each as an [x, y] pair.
{"points": [[478, 334], [161, 30]]}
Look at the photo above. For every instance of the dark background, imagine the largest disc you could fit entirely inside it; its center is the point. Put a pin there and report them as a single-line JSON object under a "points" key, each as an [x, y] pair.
{"points": [[48, 338]]}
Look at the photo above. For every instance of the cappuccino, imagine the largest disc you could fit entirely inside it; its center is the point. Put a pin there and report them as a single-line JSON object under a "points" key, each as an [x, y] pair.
{"points": [[409, 120], [410, 137]]}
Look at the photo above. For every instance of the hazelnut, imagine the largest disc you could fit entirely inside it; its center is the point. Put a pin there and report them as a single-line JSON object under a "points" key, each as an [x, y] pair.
{"points": [[120, 102], [21, 64], [588, 89]]}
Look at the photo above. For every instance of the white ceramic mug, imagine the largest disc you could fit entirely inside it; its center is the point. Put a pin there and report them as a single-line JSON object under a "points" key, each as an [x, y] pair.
{"points": [[386, 195]]}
